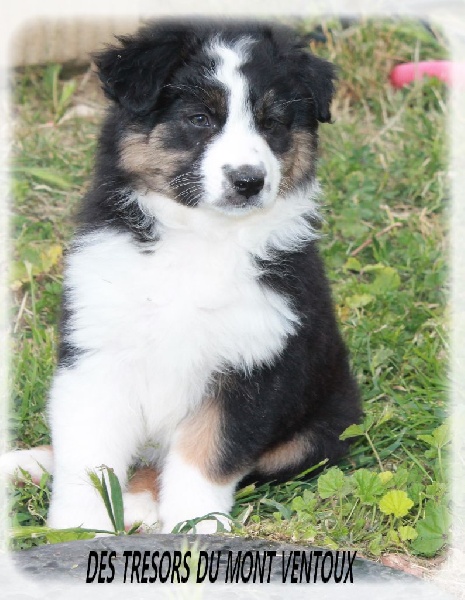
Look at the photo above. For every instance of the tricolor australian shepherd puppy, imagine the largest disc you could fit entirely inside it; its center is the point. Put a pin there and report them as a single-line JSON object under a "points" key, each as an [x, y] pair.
{"points": [[198, 333]]}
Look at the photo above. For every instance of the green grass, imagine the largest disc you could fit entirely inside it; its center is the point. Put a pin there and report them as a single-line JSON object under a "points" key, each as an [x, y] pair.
{"points": [[383, 171]]}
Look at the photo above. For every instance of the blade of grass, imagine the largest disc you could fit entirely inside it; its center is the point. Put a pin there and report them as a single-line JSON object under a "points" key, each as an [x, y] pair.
{"points": [[32, 530], [116, 500], [106, 499], [102, 489], [46, 176]]}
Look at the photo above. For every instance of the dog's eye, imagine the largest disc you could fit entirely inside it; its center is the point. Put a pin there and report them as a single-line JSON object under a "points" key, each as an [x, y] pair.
{"points": [[200, 120], [269, 123]]}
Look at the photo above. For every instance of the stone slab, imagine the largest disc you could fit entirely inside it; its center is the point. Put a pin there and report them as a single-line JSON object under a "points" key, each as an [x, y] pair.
{"points": [[60, 568]]}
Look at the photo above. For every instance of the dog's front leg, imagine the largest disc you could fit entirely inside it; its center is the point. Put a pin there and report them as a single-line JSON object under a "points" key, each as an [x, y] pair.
{"points": [[192, 483], [90, 427], [187, 493]]}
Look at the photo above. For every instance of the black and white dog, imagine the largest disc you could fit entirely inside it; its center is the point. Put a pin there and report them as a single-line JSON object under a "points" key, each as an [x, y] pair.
{"points": [[198, 331]]}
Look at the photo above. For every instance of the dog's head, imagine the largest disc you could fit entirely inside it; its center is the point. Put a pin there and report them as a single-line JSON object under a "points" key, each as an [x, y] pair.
{"points": [[214, 115]]}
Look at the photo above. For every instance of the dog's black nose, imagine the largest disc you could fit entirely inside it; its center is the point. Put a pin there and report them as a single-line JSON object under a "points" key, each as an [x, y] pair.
{"points": [[247, 181]]}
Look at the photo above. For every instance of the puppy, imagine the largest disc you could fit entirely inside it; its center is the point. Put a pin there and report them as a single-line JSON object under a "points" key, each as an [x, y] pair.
{"points": [[198, 332]]}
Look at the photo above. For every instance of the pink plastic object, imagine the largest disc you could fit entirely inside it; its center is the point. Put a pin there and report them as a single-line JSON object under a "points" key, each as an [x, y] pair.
{"points": [[445, 70]]}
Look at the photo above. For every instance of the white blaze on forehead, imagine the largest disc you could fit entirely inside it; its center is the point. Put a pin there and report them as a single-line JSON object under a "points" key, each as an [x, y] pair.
{"points": [[239, 143], [228, 73]]}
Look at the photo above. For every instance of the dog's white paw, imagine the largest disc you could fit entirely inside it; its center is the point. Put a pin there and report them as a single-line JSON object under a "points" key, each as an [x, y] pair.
{"points": [[140, 507], [203, 496], [77, 504], [34, 461], [71, 516]]}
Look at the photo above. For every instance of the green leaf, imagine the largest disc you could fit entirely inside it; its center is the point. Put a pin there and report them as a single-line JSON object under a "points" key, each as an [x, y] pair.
{"points": [[429, 439], [298, 504], [43, 531], [368, 486], [376, 546], [330, 543], [393, 536], [134, 528], [352, 264], [436, 489], [359, 300], [244, 515], [106, 498], [442, 435], [309, 497], [310, 470], [29, 531], [387, 280], [385, 477], [375, 268], [189, 525], [58, 536], [439, 437], [388, 412], [50, 78], [415, 491], [433, 530], [245, 491], [95, 481], [101, 487], [380, 357], [332, 483], [395, 502], [116, 500], [305, 503], [407, 533], [283, 509], [400, 477], [69, 87], [352, 431], [368, 422]]}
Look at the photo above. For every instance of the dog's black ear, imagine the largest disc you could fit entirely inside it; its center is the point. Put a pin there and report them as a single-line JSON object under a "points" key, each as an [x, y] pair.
{"points": [[133, 73], [318, 78]]}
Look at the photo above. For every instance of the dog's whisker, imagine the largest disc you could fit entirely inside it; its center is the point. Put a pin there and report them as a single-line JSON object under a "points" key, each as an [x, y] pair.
{"points": [[285, 102], [185, 177], [184, 184], [188, 192]]}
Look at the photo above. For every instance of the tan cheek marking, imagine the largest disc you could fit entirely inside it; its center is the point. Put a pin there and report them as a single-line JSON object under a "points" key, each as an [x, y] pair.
{"points": [[299, 161], [200, 441], [145, 479], [288, 454], [134, 152], [146, 157]]}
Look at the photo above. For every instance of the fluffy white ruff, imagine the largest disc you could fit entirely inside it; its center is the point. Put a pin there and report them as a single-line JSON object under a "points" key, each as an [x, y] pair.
{"points": [[284, 225]]}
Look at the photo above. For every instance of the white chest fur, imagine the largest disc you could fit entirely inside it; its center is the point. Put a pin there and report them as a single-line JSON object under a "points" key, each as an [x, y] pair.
{"points": [[164, 322], [159, 325]]}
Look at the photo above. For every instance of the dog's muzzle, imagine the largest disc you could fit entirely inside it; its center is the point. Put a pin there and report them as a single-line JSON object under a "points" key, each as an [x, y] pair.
{"points": [[243, 185]]}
